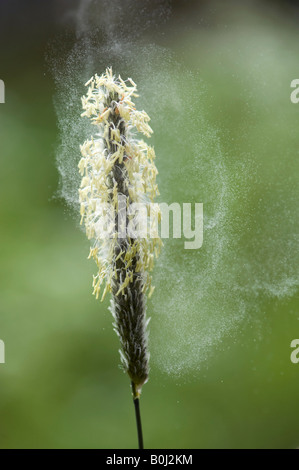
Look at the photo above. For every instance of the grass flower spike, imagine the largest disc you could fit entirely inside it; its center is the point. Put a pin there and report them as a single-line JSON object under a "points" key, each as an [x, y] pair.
{"points": [[118, 172]]}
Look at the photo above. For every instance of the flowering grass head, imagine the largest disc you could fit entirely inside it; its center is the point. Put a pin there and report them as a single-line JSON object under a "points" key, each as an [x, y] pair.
{"points": [[117, 171]]}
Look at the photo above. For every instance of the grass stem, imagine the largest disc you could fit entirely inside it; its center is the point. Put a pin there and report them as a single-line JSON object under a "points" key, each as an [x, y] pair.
{"points": [[138, 416]]}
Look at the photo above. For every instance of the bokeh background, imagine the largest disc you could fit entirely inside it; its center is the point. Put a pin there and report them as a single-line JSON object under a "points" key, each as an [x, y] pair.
{"points": [[61, 386]]}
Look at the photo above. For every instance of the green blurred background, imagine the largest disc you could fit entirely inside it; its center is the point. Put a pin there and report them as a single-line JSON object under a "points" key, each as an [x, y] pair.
{"points": [[61, 386]]}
